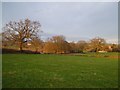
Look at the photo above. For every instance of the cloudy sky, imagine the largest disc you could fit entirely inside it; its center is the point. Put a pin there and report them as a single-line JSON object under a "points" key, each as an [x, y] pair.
{"points": [[74, 20]]}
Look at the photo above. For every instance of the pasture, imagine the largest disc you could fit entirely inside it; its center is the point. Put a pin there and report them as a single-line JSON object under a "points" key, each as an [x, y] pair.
{"points": [[59, 71]]}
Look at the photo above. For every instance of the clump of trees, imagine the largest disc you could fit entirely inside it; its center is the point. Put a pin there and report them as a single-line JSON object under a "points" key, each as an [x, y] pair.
{"points": [[96, 44], [56, 44], [24, 35]]}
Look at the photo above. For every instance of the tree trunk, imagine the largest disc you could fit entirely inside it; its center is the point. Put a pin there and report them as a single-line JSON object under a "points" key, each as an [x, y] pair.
{"points": [[36, 50], [21, 46]]}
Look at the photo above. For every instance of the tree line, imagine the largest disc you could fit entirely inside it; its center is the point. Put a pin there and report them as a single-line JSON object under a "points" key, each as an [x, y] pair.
{"points": [[24, 35]]}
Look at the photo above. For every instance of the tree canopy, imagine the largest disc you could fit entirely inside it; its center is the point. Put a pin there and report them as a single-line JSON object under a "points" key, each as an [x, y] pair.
{"points": [[20, 32]]}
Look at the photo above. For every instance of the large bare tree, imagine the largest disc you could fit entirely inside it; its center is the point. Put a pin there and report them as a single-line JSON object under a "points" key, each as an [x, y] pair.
{"points": [[20, 32]]}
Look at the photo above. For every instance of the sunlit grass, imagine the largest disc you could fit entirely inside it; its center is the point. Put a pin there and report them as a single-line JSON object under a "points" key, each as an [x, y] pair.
{"points": [[58, 71]]}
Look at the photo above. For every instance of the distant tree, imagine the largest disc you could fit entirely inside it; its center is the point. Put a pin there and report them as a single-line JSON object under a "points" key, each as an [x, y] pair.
{"points": [[59, 42], [20, 32], [67, 47], [81, 45], [107, 48], [37, 44], [73, 47], [97, 44], [49, 47], [56, 44], [115, 47]]}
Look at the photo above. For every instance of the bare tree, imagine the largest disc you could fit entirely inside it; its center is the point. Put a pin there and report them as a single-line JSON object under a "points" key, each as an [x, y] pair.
{"points": [[21, 31], [96, 44], [73, 47], [57, 44], [37, 44], [81, 45], [49, 47]]}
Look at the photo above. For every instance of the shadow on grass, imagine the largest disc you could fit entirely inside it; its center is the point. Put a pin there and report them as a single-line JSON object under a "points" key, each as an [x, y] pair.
{"points": [[13, 51]]}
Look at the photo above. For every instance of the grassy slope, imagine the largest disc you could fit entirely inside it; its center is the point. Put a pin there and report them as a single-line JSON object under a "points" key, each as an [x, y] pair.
{"points": [[24, 70]]}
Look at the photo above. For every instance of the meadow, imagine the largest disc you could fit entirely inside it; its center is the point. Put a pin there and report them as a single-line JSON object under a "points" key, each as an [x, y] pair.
{"points": [[59, 71]]}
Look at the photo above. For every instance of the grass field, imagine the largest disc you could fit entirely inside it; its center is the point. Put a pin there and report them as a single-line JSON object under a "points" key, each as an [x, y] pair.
{"points": [[59, 71]]}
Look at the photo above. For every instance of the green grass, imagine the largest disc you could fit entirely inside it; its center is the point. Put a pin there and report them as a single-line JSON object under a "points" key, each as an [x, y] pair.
{"points": [[58, 71]]}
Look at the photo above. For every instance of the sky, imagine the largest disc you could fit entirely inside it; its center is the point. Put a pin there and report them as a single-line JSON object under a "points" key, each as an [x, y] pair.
{"points": [[75, 20]]}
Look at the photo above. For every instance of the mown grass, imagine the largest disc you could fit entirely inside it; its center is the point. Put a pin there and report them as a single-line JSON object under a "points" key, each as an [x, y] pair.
{"points": [[58, 71]]}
